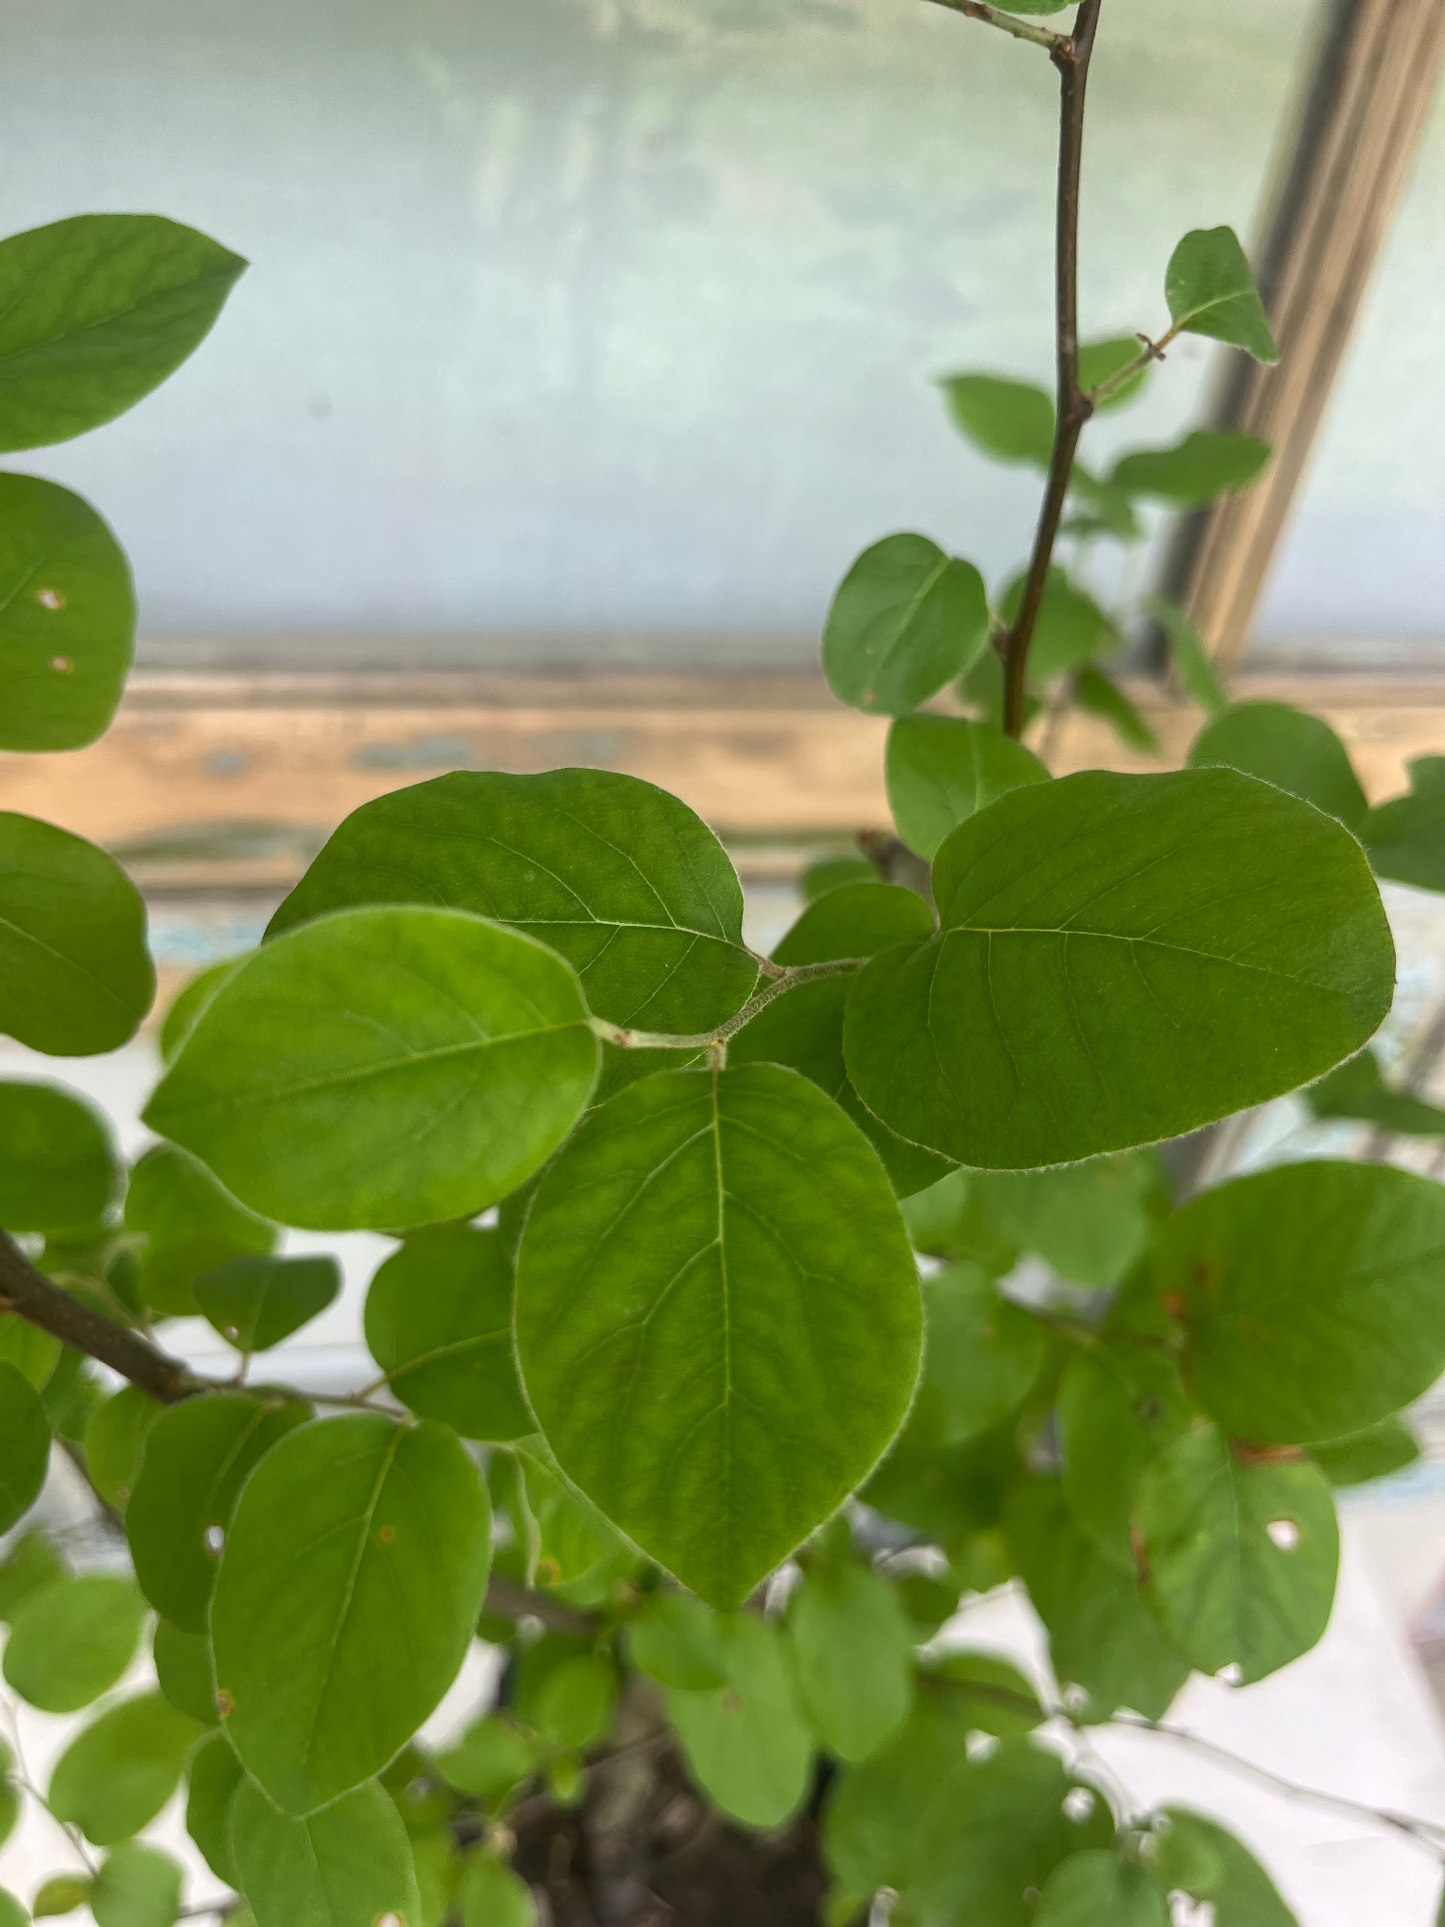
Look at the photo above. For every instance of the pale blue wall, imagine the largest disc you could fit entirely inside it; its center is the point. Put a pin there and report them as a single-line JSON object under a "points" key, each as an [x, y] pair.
{"points": [[607, 326]]}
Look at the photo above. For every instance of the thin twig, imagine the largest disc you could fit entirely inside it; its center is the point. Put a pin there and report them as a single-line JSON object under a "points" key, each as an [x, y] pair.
{"points": [[1072, 57], [1008, 22], [712, 1039], [1153, 351]]}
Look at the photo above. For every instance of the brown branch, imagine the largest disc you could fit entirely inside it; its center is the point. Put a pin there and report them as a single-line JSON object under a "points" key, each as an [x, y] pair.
{"points": [[507, 1600], [32, 1296], [1071, 57]]}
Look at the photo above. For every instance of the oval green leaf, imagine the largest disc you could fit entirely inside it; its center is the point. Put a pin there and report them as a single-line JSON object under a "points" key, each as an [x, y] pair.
{"points": [[1012, 421], [383, 1068], [718, 1319], [1071, 629], [95, 312], [1210, 290], [138, 1886], [115, 1777], [1099, 1889], [614, 874], [255, 1302], [942, 770], [981, 1356], [67, 617], [72, 1641], [57, 1167], [1284, 746], [350, 1585], [215, 1774], [1195, 471], [1119, 1405], [189, 1225], [24, 1445], [907, 620], [348, 1866], [439, 1324], [852, 1649], [76, 978], [1198, 1857], [747, 1743], [183, 1671], [1312, 1296], [1121, 959]]}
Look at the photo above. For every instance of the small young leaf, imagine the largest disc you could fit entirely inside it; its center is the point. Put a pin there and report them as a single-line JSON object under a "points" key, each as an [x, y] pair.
{"points": [[1121, 959], [95, 312], [255, 1302], [197, 1457], [190, 1226], [75, 975], [1101, 1638], [1405, 837], [616, 875], [1101, 696], [1089, 1221], [1241, 1555], [1013, 421], [718, 1321], [1312, 1296], [347, 1866], [1211, 291], [1101, 361], [33, 1353], [1283, 746], [72, 1641], [907, 620], [383, 1068], [12, 1914], [987, 1692], [941, 770], [855, 920], [24, 1446], [1198, 1857], [675, 1641], [137, 1886], [57, 1167], [61, 1894], [67, 616], [1099, 1889], [492, 1760], [1200, 468], [1374, 1453], [1191, 659], [493, 1896], [578, 1555], [1071, 629], [215, 1774], [832, 871], [572, 1706], [439, 1324], [351, 1581], [1358, 1090], [852, 1648], [115, 1777], [183, 1672], [32, 1563], [1107, 510], [1119, 1405], [747, 1744], [981, 1356]]}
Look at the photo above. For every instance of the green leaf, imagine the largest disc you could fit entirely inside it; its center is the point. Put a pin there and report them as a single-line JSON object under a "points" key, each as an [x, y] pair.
{"points": [[24, 1446], [831, 871], [1192, 661], [988, 1694], [852, 1649], [718, 1322], [75, 975], [188, 1004], [183, 1672], [416, 1064], [493, 1896], [61, 1895], [675, 1641], [12, 1914], [1119, 1405], [137, 1886], [955, 1218], [578, 1553], [615, 875], [190, 1226], [1211, 291], [1196, 471], [1100, 1889], [855, 920], [907, 620], [439, 1324], [67, 616], [215, 1774], [747, 1744], [1013, 421], [32, 1563], [492, 1760], [72, 1641], [572, 1706], [803, 1030], [9, 1803], [981, 1356], [1197, 1857], [348, 1866], [255, 1302], [959, 1838], [1374, 1453], [1101, 361], [115, 1777], [1101, 696], [1121, 959], [1107, 509], [115, 1441], [95, 312], [1071, 629], [1283, 746], [33, 1353], [1405, 837], [352, 1577], [1358, 1090], [1312, 1296], [942, 770], [1241, 1553], [1088, 1221], [1102, 1640], [198, 1455]]}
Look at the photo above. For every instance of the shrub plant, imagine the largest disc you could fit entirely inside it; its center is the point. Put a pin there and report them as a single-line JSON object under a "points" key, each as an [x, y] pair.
{"points": [[744, 1312]]}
